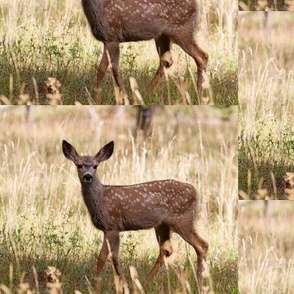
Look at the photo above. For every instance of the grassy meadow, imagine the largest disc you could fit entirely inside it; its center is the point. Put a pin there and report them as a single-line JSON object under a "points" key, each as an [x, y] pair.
{"points": [[266, 259], [44, 222], [52, 39], [266, 97]]}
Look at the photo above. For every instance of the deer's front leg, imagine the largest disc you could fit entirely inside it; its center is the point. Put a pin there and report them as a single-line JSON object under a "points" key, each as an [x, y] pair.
{"points": [[101, 262], [112, 240]]}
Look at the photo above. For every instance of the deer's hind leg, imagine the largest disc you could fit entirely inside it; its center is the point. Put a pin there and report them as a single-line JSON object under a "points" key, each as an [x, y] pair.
{"points": [[186, 41], [188, 233], [163, 49], [163, 238]]}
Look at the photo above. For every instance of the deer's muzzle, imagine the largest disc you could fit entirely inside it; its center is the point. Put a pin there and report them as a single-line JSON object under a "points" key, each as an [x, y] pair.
{"points": [[87, 177]]}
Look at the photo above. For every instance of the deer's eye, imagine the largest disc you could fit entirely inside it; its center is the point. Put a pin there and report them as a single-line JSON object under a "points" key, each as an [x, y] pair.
{"points": [[95, 166], [79, 166]]}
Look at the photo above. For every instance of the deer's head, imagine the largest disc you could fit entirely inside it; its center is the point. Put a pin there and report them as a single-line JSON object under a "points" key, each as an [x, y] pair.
{"points": [[87, 165]]}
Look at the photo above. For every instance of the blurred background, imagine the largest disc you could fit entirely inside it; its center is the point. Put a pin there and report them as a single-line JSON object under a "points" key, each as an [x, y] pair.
{"points": [[266, 95], [266, 258], [44, 222], [266, 5], [48, 45]]}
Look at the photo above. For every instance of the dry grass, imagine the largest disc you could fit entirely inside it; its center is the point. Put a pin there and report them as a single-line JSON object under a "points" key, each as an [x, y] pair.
{"points": [[266, 259], [53, 39], [44, 222], [266, 87]]}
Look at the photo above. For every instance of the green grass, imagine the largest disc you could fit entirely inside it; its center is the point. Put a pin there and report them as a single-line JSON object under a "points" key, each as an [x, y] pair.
{"points": [[266, 79], [44, 222], [54, 40]]}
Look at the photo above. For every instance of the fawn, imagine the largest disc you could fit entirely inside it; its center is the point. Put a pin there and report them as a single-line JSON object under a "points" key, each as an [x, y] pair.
{"points": [[166, 206], [165, 21]]}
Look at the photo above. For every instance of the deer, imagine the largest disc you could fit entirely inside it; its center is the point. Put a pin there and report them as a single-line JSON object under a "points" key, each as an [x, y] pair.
{"points": [[165, 21], [165, 205]]}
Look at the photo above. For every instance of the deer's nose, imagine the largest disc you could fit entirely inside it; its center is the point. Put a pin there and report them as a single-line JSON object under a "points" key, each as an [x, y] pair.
{"points": [[87, 177]]}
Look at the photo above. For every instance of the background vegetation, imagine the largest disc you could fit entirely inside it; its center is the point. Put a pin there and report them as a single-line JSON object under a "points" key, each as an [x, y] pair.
{"points": [[266, 87], [52, 39], [43, 220], [266, 259], [280, 5]]}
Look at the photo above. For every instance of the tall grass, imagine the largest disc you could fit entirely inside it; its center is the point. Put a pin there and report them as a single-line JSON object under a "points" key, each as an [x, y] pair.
{"points": [[43, 220], [266, 260], [52, 38], [266, 100]]}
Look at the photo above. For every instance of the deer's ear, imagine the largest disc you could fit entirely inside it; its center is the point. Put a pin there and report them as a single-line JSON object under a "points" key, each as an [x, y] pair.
{"points": [[69, 151], [105, 152]]}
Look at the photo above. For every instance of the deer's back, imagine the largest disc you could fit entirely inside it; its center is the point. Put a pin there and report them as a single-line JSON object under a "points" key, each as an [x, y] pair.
{"points": [[133, 20], [147, 205]]}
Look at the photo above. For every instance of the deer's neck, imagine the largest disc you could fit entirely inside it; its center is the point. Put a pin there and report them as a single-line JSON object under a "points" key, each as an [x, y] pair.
{"points": [[93, 196]]}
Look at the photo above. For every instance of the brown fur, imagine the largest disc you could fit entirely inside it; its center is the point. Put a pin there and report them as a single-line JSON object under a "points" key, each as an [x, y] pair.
{"points": [[163, 205], [165, 21]]}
